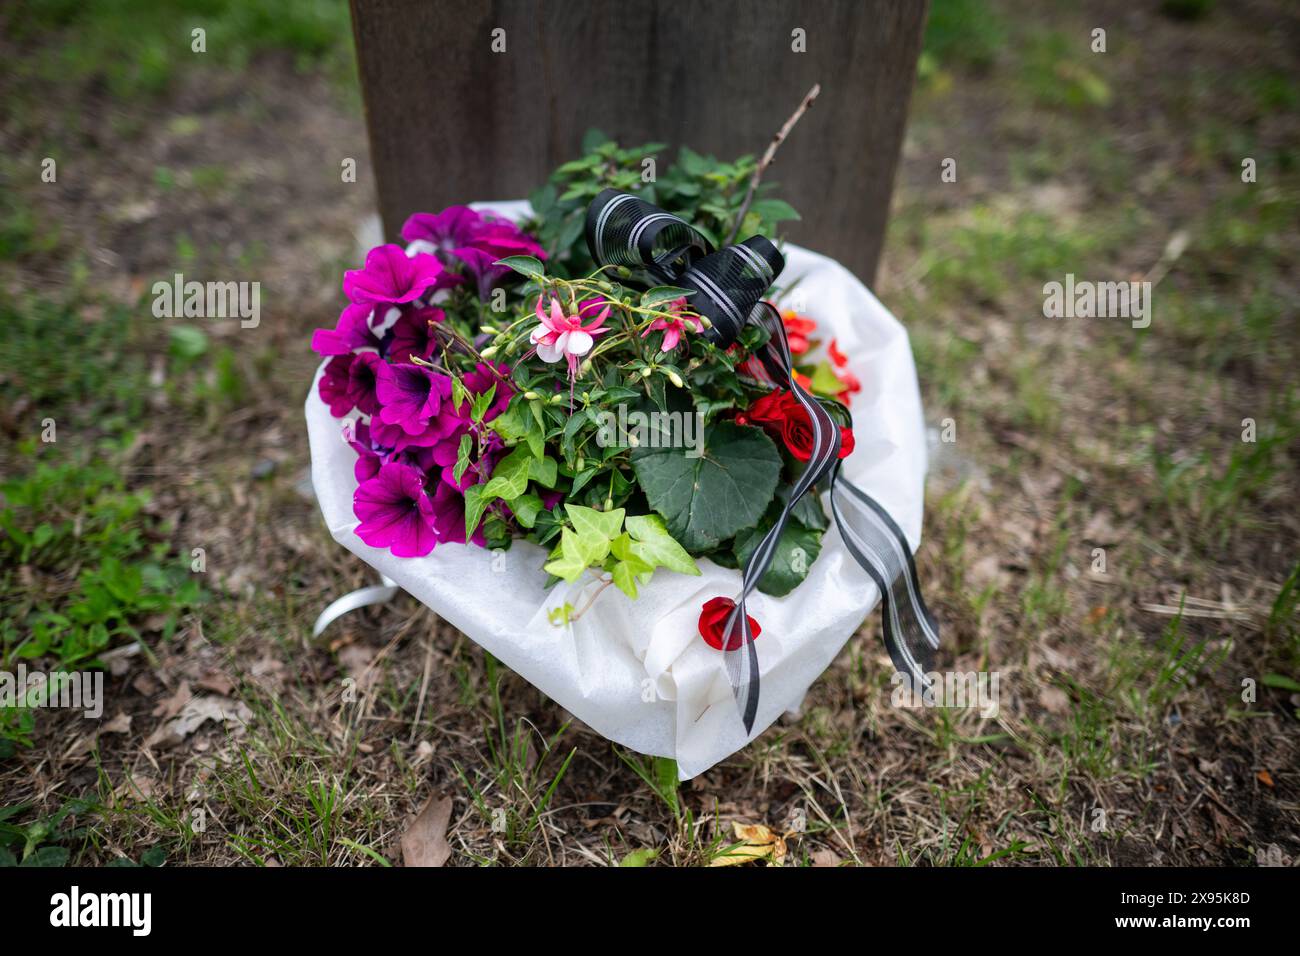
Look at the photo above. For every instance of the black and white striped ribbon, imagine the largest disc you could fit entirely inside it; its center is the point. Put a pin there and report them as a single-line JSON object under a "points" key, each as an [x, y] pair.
{"points": [[727, 287]]}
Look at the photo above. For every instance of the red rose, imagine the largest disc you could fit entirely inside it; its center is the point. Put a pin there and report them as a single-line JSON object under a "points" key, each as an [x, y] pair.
{"points": [[797, 432], [768, 410], [713, 621], [846, 442], [797, 329]]}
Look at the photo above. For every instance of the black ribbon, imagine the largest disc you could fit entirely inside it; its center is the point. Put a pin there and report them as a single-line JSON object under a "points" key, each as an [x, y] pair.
{"points": [[727, 286]]}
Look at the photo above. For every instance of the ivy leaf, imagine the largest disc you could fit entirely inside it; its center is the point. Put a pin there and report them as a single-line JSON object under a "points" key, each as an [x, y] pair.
{"points": [[524, 265], [576, 555], [510, 477], [706, 500], [544, 470], [654, 545], [590, 523], [526, 508]]}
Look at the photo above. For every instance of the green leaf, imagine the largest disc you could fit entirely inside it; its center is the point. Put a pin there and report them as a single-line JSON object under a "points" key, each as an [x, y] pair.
{"points": [[796, 550], [661, 294], [1280, 681], [476, 502], [526, 509], [510, 477], [524, 265], [462, 456], [544, 470], [640, 857], [577, 553], [706, 500], [624, 575], [188, 342], [774, 210], [590, 523], [654, 545]]}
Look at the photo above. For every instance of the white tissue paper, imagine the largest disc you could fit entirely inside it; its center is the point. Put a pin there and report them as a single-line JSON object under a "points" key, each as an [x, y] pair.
{"points": [[637, 671]]}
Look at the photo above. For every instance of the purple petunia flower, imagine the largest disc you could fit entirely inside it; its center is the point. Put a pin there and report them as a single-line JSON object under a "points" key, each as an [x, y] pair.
{"points": [[369, 459], [410, 396], [390, 276], [498, 239], [412, 334], [444, 231], [395, 512], [351, 332], [476, 239], [449, 516], [349, 382]]}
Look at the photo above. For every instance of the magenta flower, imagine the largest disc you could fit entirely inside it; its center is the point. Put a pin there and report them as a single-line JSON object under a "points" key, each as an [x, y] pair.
{"points": [[449, 517], [563, 336], [675, 328], [497, 240], [444, 231], [413, 335], [357, 434], [395, 512], [476, 239], [391, 276], [396, 437], [349, 382], [410, 395], [351, 332]]}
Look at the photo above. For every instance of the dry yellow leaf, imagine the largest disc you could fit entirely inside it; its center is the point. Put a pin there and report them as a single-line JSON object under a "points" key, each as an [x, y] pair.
{"points": [[754, 842]]}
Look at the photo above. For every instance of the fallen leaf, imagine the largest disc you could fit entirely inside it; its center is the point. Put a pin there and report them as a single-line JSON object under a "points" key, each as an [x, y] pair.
{"points": [[826, 858], [425, 841], [1265, 778], [121, 724], [755, 842], [196, 713], [1054, 700], [216, 682], [639, 857], [171, 706]]}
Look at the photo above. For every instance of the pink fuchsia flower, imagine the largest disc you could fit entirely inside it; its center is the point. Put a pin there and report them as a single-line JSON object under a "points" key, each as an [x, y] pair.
{"points": [[565, 337], [350, 382], [390, 276], [675, 328], [351, 332], [395, 512], [413, 334], [410, 396]]}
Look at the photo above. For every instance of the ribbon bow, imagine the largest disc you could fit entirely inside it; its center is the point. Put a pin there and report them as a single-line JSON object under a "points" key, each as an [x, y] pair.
{"points": [[727, 286]]}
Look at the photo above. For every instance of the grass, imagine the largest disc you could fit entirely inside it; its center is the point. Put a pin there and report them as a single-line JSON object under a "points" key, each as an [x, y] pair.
{"points": [[136, 50]]}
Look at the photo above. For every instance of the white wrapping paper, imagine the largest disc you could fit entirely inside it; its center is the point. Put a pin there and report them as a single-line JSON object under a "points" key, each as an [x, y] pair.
{"points": [[637, 671]]}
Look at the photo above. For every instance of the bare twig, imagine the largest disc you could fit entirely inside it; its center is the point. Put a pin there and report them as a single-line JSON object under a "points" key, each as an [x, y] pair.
{"points": [[769, 155]]}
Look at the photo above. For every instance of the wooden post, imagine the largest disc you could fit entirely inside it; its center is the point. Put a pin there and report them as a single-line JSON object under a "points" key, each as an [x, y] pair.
{"points": [[451, 120]]}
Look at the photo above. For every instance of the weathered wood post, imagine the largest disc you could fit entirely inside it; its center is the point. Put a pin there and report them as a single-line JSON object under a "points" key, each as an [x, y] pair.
{"points": [[480, 99]]}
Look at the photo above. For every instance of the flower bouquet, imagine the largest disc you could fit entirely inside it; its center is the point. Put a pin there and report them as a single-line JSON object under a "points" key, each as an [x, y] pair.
{"points": [[576, 430]]}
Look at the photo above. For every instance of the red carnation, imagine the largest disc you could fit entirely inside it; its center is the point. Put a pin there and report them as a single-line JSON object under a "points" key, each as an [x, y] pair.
{"points": [[713, 621]]}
